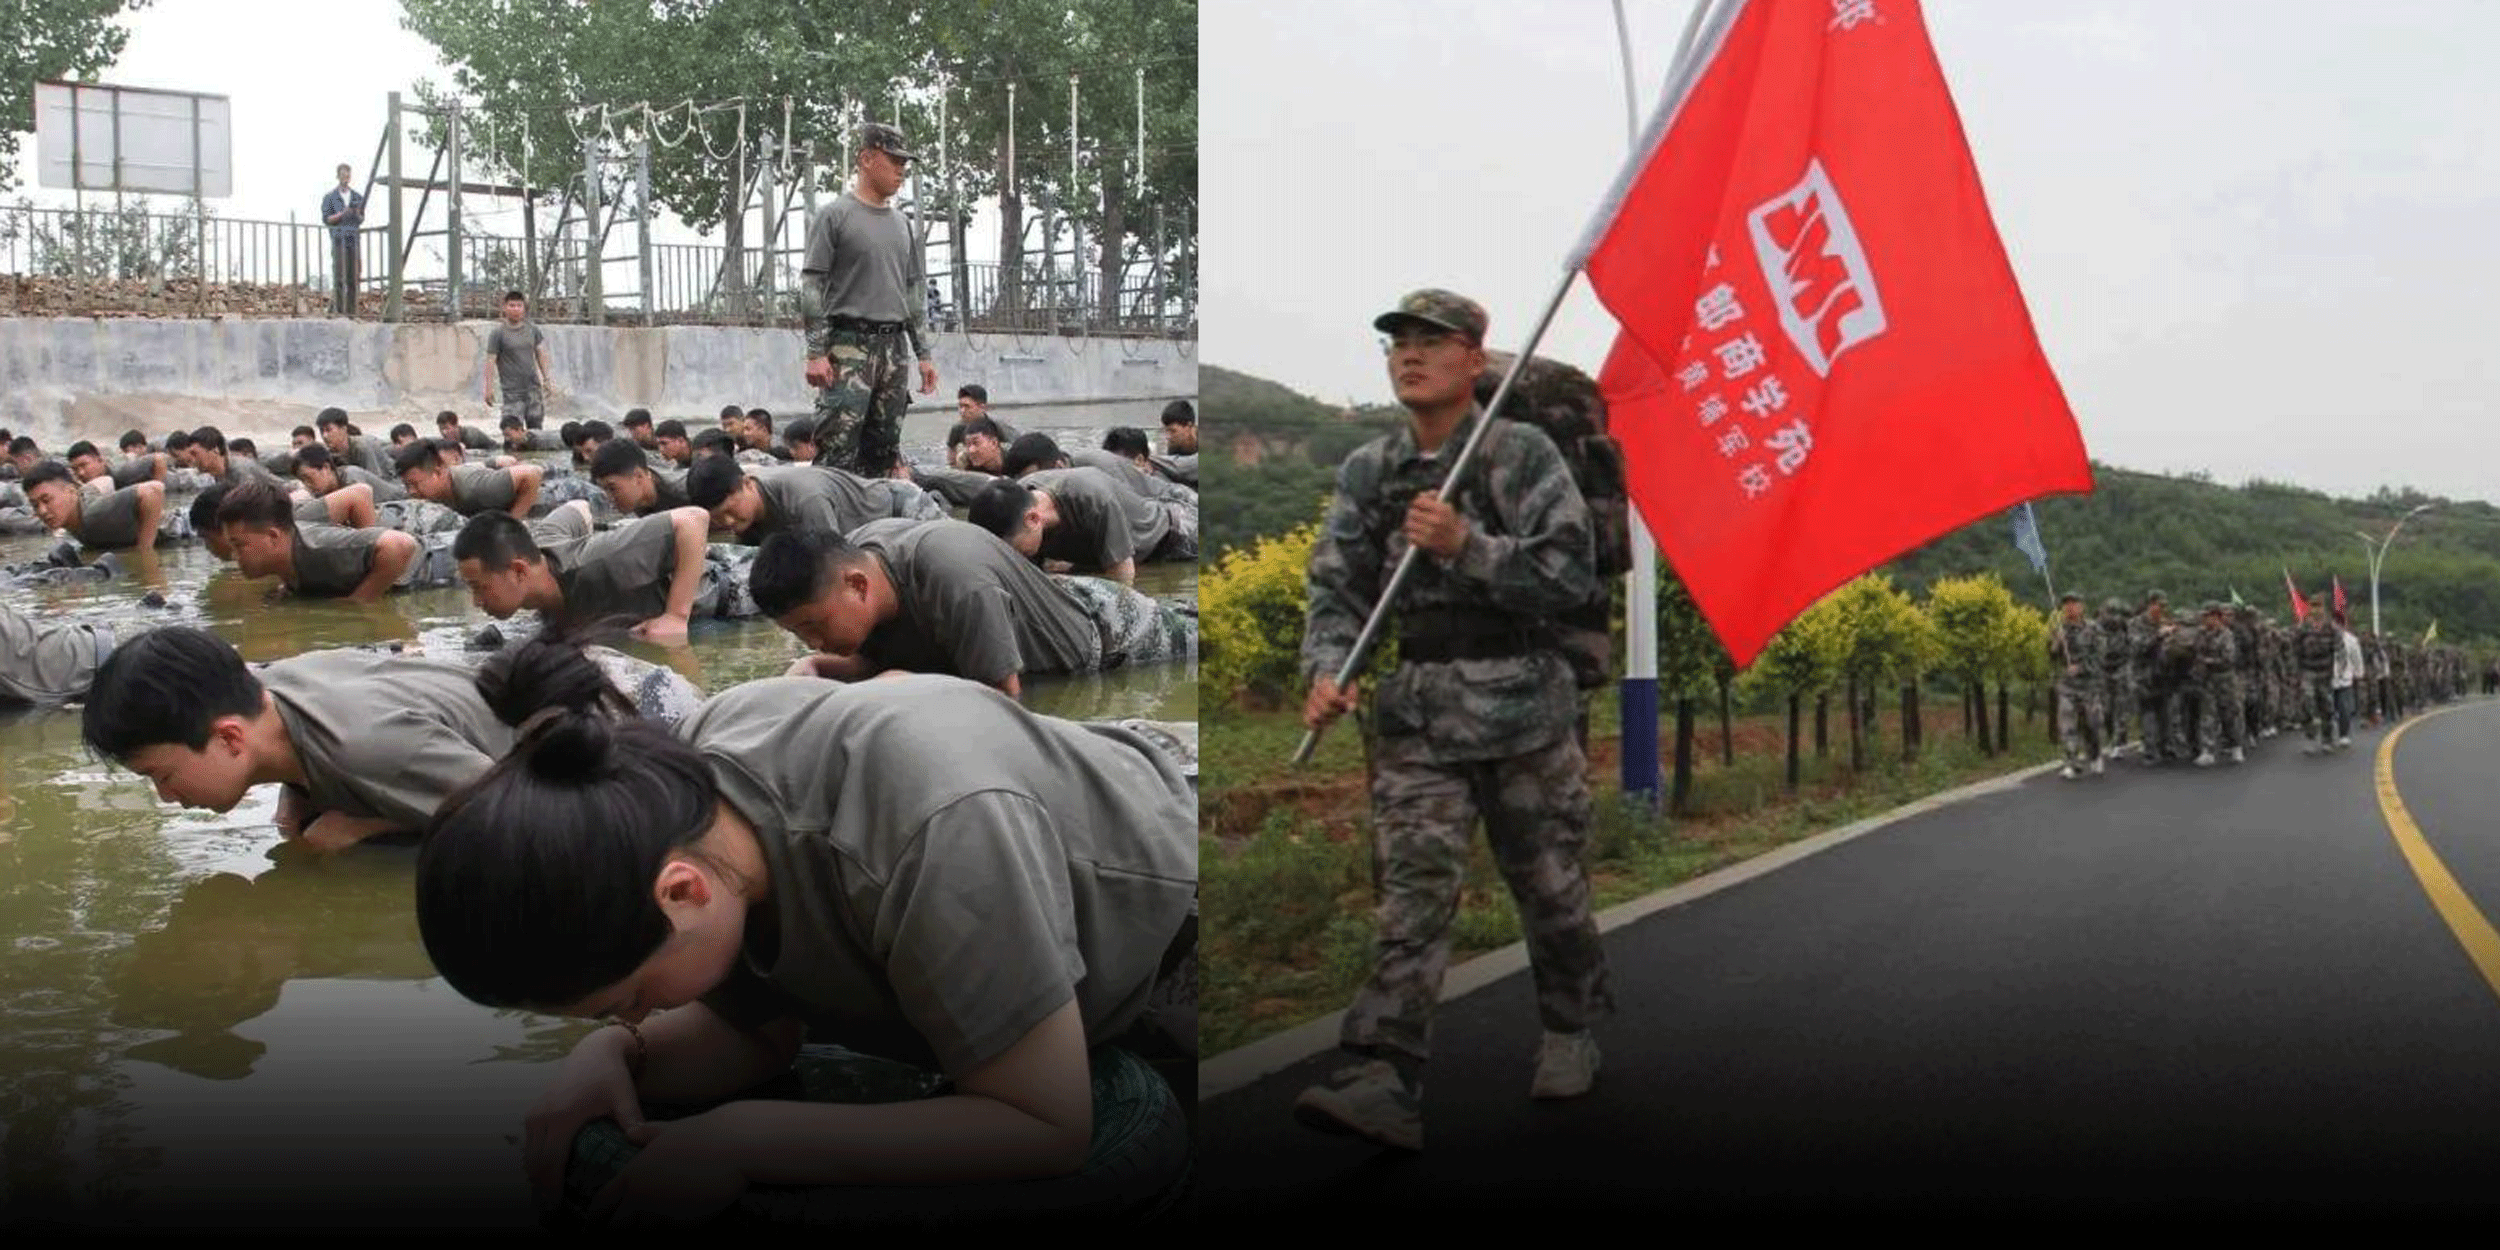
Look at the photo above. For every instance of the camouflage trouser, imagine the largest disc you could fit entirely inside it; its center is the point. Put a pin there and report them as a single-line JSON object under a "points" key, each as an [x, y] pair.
{"points": [[2252, 688], [2118, 702], [61, 568], [1537, 812], [2178, 707], [1181, 544], [528, 403], [433, 566], [2218, 712], [2154, 716], [418, 516], [556, 490], [723, 590], [659, 693], [2080, 716], [2318, 705], [21, 519], [859, 419], [1135, 629]]}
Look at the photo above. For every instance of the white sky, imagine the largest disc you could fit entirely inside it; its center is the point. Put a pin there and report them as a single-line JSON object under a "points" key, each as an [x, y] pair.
{"points": [[309, 84], [2251, 232]]}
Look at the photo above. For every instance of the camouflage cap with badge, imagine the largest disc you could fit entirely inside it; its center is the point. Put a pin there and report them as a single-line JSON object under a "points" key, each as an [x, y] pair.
{"points": [[879, 137], [1446, 310]]}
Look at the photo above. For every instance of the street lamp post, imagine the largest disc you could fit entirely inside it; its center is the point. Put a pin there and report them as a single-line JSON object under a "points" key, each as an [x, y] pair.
{"points": [[2377, 548]]}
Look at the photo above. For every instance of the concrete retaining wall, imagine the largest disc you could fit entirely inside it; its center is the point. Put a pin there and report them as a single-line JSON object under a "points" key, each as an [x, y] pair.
{"points": [[63, 379]]}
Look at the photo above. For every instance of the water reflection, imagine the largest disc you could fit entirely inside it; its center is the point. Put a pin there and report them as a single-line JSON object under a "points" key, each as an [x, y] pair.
{"points": [[200, 1026]]}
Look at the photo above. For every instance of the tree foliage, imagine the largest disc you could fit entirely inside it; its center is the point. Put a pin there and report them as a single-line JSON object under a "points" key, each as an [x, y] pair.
{"points": [[51, 40], [880, 60]]}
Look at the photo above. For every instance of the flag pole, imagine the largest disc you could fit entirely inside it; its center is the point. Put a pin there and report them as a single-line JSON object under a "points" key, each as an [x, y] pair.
{"points": [[1637, 697], [1668, 102]]}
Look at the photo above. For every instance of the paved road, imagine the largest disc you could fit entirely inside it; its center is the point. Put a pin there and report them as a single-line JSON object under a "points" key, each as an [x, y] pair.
{"points": [[2156, 990]]}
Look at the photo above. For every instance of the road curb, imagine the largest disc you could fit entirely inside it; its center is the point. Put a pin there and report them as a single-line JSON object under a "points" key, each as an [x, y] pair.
{"points": [[1269, 1055]]}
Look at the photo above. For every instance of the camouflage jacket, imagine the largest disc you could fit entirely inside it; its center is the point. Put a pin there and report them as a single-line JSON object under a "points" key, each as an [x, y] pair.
{"points": [[2314, 645], [2078, 652], [2217, 653], [1528, 555], [2244, 645], [2117, 650]]}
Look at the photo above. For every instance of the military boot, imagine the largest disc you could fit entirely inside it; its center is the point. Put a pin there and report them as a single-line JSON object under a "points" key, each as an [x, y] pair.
{"points": [[1368, 1098], [1566, 1065]]}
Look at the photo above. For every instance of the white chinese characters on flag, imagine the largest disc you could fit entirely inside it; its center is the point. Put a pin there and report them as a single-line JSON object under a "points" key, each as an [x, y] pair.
{"points": [[1825, 361]]}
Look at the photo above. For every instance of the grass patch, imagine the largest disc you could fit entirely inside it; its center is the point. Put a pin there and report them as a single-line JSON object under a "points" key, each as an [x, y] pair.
{"points": [[1285, 857]]}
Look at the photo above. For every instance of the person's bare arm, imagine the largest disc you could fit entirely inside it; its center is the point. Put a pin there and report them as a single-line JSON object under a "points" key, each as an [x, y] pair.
{"points": [[391, 557], [351, 506], [151, 512], [693, 530], [525, 479], [546, 371], [1125, 572]]}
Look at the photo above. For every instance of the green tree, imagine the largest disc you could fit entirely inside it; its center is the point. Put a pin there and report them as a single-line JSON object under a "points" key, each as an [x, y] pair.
{"points": [[51, 40], [534, 65], [1881, 634], [1690, 659], [1802, 659], [1970, 615]]}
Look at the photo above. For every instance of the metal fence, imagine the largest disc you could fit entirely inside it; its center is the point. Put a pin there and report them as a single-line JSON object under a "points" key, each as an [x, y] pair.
{"points": [[104, 260]]}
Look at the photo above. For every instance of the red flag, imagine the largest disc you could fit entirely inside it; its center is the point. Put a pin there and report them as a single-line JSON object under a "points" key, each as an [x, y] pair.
{"points": [[2300, 606], [2339, 596], [1825, 361]]}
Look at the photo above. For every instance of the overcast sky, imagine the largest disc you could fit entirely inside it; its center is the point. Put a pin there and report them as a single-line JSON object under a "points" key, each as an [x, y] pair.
{"points": [[2253, 234], [309, 83]]}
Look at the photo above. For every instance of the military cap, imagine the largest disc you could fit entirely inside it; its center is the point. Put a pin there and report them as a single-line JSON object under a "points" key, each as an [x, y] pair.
{"points": [[2113, 604], [2154, 596], [2069, 597], [2216, 607], [1446, 309], [886, 139]]}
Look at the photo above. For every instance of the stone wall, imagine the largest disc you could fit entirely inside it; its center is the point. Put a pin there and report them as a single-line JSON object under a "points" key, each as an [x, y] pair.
{"points": [[66, 378]]}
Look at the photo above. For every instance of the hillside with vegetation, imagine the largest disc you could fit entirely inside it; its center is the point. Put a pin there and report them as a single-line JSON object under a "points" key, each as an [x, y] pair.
{"points": [[2190, 537]]}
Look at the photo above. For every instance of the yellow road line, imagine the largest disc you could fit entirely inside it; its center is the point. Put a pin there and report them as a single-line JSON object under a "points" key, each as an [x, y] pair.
{"points": [[2481, 941]]}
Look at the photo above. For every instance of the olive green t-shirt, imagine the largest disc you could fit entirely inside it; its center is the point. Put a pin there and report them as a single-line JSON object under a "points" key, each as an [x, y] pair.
{"points": [[133, 472], [331, 561], [621, 571], [110, 520], [1124, 471], [947, 868], [476, 488], [1100, 524], [971, 606], [806, 497], [385, 489], [44, 661], [382, 735]]}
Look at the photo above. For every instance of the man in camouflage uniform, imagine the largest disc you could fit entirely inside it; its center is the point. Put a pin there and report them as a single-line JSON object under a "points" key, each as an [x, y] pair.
{"points": [[2248, 677], [2313, 648], [2218, 697], [2118, 705], [2152, 694], [859, 293], [1477, 719], [2078, 655]]}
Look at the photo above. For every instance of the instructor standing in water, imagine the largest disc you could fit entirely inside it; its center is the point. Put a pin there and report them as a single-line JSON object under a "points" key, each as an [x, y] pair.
{"points": [[855, 295]]}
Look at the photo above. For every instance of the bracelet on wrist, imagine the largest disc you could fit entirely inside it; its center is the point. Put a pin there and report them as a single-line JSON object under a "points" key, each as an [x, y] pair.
{"points": [[641, 1052]]}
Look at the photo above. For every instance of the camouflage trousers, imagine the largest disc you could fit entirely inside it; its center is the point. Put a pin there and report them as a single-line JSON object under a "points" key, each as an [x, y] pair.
{"points": [[529, 403], [418, 516], [558, 489], [1135, 629], [2317, 706], [2081, 716], [2219, 708], [2118, 709], [2156, 711], [859, 419], [1537, 813], [1181, 543], [723, 591]]}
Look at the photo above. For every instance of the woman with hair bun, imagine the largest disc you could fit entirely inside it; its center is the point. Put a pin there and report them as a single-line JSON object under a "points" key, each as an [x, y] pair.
{"points": [[915, 867]]}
